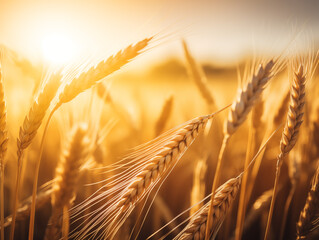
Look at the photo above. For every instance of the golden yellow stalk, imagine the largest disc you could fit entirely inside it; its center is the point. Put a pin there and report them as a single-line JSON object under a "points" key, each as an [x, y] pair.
{"points": [[261, 204], [146, 167], [291, 130], [23, 212], [165, 115], [224, 197], [164, 159], [66, 179], [198, 75], [198, 189], [237, 115], [256, 123], [294, 176], [28, 131], [79, 84], [282, 110], [89, 78]]}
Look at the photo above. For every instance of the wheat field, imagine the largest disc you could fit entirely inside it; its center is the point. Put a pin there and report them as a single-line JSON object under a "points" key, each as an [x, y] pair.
{"points": [[182, 151]]}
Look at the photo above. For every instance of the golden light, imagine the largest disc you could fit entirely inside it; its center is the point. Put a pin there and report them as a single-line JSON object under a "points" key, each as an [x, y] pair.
{"points": [[58, 48]]}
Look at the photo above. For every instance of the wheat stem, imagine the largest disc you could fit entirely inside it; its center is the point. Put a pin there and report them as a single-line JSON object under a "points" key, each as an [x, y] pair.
{"points": [[36, 177], [198, 189], [242, 196], [286, 210], [291, 130], [164, 116], [198, 76], [67, 175], [215, 182], [237, 115], [83, 82], [28, 131]]}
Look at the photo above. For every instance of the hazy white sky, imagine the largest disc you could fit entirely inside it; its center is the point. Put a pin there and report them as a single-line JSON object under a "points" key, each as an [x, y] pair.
{"points": [[214, 29]]}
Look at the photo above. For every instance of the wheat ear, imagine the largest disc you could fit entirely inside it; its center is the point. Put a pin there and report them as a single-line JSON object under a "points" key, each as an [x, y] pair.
{"points": [[24, 210], [198, 189], [291, 130], [198, 75], [164, 116], [103, 92], [66, 179], [224, 197], [79, 84], [237, 115], [33, 120], [3, 149], [145, 167], [308, 219], [89, 78], [28, 131]]}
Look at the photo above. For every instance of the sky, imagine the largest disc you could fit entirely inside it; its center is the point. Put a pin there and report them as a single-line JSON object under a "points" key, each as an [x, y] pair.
{"points": [[215, 30]]}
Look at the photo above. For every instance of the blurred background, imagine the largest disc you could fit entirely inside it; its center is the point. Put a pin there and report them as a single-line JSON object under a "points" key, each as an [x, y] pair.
{"points": [[218, 31]]}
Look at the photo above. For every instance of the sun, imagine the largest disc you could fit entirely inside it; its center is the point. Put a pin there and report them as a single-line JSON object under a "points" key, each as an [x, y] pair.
{"points": [[58, 49]]}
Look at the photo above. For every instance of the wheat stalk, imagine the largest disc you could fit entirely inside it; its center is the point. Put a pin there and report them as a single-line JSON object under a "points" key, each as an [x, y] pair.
{"points": [[79, 84], [198, 189], [92, 76], [294, 176], [33, 120], [291, 130], [145, 167], [3, 150], [164, 116], [257, 113], [308, 219], [260, 205], [28, 131], [24, 210], [224, 197], [256, 123], [165, 158], [237, 115], [66, 179], [282, 110], [247, 97], [103, 92], [198, 75]]}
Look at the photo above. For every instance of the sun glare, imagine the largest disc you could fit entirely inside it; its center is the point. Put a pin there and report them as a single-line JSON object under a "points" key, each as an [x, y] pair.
{"points": [[58, 49]]}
